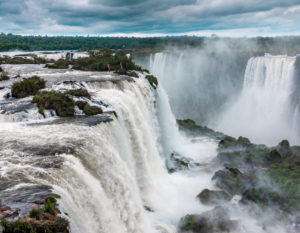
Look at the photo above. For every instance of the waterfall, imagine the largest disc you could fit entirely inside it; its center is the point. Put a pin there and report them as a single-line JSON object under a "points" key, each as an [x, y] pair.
{"points": [[111, 177], [263, 111]]}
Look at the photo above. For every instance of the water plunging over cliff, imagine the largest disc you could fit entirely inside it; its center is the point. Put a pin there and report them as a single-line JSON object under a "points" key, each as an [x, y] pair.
{"points": [[264, 110]]}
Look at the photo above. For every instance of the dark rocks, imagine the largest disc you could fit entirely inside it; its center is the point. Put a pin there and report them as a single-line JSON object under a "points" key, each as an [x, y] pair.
{"points": [[7, 211], [40, 219], [132, 74], [92, 110], [178, 162], [213, 197], [253, 195], [191, 128], [80, 104], [274, 156], [232, 181], [228, 141], [79, 93], [214, 221]]}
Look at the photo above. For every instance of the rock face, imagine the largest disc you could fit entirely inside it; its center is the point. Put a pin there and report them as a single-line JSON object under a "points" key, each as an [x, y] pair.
{"points": [[214, 221], [213, 197], [232, 181], [92, 110]]}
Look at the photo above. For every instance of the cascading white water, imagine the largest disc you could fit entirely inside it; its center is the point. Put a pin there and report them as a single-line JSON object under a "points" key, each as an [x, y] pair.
{"points": [[115, 168], [263, 111]]}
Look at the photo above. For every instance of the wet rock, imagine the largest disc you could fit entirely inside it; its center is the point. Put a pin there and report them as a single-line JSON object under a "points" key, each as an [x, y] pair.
{"points": [[214, 221], [39, 219], [213, 197], [191, 128], [133, 74], [7, 211], [178, 162], [92, 110], [274, 156], [232, 181], [79, 93], [80, 104]]}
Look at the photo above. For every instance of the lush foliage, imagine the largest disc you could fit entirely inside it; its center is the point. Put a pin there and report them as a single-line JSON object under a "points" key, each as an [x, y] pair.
{"points": [[59, 64], [104, 60], [27, 87], [152, 80], [60, 102]]}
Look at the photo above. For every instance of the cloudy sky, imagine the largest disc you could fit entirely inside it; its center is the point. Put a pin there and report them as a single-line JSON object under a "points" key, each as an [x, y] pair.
{"points": [[150, 17]]}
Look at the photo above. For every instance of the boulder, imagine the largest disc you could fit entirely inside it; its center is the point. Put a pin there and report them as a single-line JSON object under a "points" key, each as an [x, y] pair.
{"points": [[214, 221], [213, 197]]}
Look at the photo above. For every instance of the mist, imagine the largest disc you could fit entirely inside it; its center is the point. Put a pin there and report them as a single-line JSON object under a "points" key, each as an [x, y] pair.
{"points": [[206, 83]]}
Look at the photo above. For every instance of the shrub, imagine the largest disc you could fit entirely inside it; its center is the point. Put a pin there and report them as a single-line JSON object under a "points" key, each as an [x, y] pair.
{"points": [[49, 204], [59, 64], [152, 80], [27, 87], [60, 102], [36, 213]]}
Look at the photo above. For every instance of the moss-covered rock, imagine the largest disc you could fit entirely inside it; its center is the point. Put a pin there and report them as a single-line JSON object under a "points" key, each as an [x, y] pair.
{"points": [[3, 76], [80, 104], [79, 93], [27, 87], [92, 110], [191, 128], [132, 74], [60, 102], [39, 220], [213, 197], [232, 181], [152, 80], [214, 221]]}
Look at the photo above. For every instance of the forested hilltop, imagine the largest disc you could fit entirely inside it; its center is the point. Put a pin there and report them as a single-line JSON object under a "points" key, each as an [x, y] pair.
{"points": [[8, 42]]}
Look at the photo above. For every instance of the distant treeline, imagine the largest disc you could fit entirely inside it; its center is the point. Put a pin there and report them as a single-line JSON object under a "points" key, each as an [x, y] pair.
{"points": [[29, 43], [8, 42]]}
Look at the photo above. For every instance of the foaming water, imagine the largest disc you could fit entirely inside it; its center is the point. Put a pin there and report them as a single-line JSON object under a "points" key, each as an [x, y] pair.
{"points": [[264, 111], [108, 174]]}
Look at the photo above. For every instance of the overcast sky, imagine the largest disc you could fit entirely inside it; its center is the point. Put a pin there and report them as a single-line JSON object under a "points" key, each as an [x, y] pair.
{"points": [[151, 17]]}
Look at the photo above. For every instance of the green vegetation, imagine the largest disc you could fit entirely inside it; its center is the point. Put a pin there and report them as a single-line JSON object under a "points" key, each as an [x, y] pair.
{"points": [[79, 93], [60, 102], [49, 204], [27, 87], [152, 80], [190, 126], [36, 213], [3, 75], [105, 60], [80, 104], [23, 59], [39, 220], [91, 110], [59, 64]]}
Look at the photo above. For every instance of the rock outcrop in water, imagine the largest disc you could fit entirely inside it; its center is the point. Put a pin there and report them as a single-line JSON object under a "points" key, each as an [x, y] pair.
{"points": [[41, 218], [27, 87], [267, 177]]}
